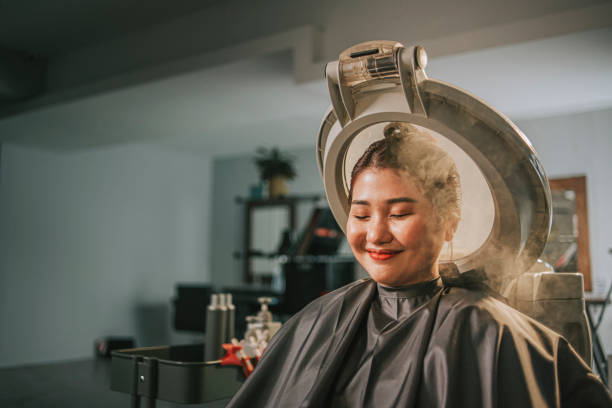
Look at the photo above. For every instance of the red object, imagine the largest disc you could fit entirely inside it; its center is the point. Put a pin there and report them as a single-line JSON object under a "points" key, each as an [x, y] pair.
{"points": [[231, 357], [325, 232], [247, 367], [235, 356]]}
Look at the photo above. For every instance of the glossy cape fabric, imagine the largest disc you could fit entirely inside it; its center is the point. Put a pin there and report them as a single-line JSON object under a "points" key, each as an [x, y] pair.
{"points": [[459, 348]]}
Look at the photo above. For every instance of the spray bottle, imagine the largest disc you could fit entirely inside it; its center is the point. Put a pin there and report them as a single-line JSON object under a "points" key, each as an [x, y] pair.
{"points": [[231, 319], [216, 316]]}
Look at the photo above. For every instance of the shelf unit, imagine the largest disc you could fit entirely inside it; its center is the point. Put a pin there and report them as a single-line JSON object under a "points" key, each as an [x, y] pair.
{"points": [[251, 205]]}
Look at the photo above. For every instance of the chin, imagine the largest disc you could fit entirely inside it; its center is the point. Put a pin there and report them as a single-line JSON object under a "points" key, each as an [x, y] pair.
{"points": [[388, 275], [387, 278]]}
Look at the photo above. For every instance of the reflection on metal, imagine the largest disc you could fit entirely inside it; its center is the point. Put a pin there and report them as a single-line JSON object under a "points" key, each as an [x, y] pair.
{"points": [[378, 82], [557, 300]]}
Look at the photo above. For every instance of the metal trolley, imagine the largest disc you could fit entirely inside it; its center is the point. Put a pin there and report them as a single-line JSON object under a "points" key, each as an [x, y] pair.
{"points": [[172, 373]]}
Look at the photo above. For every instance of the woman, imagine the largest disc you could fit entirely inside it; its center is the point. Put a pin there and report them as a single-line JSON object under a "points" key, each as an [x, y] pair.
{"points": [[406, 338]]}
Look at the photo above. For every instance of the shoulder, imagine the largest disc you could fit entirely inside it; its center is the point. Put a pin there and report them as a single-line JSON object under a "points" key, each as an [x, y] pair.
{"points": [[323, 318], [479, 308], [331, 299], [353, 287], [473, 299], [481, 303], [331, 306]]}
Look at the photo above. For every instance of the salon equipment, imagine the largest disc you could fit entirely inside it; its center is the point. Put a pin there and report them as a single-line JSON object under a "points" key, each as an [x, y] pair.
{"points": [[310, 276], [237, 356], [247, 352], [230, 325], [192, 374], [506, 204], [104, 346], [263, 321], [245, 301], [172, 373], [186, 374], [506, 199], [321, 236], [188, 304], [600, 359], [556, 299], [216, 320]]}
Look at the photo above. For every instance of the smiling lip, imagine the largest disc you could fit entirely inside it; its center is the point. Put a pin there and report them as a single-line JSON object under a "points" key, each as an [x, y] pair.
{"points": [[382, 255]]}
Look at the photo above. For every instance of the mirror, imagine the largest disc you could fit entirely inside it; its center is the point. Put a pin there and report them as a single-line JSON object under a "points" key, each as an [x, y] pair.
{"points": [[567, 249], [265, 223], [267, 226]]}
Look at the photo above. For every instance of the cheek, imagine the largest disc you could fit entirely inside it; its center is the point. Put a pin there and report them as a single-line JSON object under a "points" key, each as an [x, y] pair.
{"points": [[354, 234], [410, 233]]}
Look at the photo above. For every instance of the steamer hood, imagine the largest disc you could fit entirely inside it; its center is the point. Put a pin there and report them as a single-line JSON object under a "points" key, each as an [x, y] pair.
{"points": [[506, 202]]}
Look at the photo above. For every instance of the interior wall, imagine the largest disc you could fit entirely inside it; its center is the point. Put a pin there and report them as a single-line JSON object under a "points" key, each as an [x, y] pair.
{"points": [[92, 243]]}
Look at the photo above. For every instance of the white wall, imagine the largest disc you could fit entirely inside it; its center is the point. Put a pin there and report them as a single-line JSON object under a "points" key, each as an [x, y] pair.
{"points": [[92, 243], [581, 144]]}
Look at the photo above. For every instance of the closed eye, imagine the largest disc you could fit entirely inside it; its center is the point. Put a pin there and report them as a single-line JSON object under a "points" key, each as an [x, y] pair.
{"points": [[400, 216], [361, 217]]}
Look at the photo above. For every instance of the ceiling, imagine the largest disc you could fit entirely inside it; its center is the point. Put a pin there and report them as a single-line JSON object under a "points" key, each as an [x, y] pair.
{"points": [[51, 28], [47, 28], [232, 107]]}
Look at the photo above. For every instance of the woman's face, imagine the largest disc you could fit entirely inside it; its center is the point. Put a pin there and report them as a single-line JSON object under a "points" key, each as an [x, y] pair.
{"points": [[393, 229]]}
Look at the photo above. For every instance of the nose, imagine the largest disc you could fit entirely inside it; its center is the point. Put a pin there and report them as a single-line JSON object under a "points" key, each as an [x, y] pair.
{"points": [[378, 231]]}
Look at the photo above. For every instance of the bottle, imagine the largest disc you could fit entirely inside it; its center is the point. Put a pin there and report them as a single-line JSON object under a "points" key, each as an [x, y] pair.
{"points": [[264, 313], [223, 313], [231, 319], [269, 326], [215, 328], [252, 324]]}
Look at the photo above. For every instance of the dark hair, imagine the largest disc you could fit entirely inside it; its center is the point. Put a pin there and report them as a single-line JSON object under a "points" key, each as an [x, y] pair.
{"points": [[415, 153]]}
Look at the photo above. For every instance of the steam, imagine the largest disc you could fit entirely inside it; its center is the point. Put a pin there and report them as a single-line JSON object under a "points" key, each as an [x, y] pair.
{"points": [[456, 187], [420, 157]]}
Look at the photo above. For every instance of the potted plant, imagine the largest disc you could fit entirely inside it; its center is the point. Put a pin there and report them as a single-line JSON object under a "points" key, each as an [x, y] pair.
{"points": [[275, 167]]}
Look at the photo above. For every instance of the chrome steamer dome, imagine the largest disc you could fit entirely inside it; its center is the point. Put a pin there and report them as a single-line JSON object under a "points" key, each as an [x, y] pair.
{"points": [[506, 203]]}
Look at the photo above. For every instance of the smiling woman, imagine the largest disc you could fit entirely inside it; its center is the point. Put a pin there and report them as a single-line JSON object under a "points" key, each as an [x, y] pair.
{"points": [[395, 230]]}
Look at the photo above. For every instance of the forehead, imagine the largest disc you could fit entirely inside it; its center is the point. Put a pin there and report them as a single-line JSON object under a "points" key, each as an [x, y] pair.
{"points": [[383, 184]]}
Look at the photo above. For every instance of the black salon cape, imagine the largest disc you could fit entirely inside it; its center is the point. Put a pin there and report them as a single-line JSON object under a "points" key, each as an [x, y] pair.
{"points": [[461, 348]]}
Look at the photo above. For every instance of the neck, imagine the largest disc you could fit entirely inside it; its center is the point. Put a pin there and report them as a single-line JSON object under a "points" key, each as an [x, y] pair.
{"points": [[425, 275]]}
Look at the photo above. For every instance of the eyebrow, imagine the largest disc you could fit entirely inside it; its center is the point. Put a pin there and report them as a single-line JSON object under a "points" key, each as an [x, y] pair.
{"points": [[391, 201]]}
